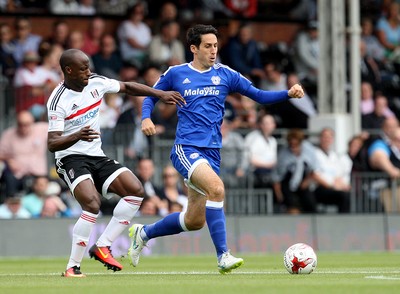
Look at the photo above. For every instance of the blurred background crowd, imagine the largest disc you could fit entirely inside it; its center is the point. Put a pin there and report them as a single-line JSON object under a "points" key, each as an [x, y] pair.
{"points": [[274, 43]]}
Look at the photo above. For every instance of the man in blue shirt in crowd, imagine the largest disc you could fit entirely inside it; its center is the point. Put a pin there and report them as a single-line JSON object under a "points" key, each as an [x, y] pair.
{"points": [[196, 152]]}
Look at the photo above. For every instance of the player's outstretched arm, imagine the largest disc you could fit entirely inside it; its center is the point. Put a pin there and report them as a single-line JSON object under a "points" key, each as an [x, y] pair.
{"points": [[56, 141], [135, 89], [270, 97]]}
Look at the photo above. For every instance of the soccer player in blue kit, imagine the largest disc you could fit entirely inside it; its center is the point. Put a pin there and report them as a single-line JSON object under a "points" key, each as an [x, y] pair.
{"points": [[204, 85]]}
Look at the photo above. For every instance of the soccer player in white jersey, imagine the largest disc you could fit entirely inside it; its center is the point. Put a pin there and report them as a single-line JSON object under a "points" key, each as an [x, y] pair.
{"points": [[196, 152], [74, 137]]}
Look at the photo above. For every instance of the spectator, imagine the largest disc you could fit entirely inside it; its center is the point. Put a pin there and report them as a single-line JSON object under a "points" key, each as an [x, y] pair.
{"points": [[76, 41], [86, 7], [59, 34], [168, 12], [294, 174], [33, 85], [373, 46], [388, 160], [367, 98], [262, 151], [304, 10], [23, 149], [291, 113], [7, 62], [165, 118], [165, 48], [368, 101], [145, 173], [139, 145], [53, 206], [12, 208], [171, 192], [233, 161], [382, 155], [380, 152], [107, 61], [244, 111], [333, 189], [113, 7], [370, 68], [242, 54], [274, 78], [109, 113], [348, 160], [34, 201], [374, 120], [246, 8], [388, 32], [64, 7], [134, 37], [306, 56], [93, 36], [148, 208], [50, 64], [24, 41], [151, 75]]}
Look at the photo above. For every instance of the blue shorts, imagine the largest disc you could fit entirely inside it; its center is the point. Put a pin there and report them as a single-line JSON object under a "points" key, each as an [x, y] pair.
{"points": [[186, 158]]}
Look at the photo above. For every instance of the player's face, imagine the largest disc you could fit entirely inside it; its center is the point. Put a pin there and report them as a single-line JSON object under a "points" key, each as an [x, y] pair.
{"points": [[79, 73], [206, 55]]}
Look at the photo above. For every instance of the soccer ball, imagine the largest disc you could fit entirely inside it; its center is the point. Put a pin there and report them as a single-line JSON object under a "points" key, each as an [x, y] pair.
{"points": [[300, 258]]}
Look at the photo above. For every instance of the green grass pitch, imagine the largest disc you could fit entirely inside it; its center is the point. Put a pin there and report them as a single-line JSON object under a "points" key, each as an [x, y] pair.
{"points": [[336, 273]]}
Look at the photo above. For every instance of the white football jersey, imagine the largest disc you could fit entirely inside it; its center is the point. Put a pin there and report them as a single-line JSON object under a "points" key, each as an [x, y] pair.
{"points": [[69, 111]]}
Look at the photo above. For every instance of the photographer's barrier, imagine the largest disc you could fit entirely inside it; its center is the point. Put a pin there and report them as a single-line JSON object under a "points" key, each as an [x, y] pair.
{"points": [[246, 234]]}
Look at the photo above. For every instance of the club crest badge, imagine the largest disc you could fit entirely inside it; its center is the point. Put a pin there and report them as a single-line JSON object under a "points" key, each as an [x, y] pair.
{"points": [[216, 80]]}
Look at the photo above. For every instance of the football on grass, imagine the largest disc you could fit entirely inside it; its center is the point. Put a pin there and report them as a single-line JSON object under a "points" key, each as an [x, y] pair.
{"points": [[300, 258]]}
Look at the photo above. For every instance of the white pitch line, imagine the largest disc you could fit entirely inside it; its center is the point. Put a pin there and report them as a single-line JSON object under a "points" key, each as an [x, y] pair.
{"points": [[317, 272], [382, 278]]}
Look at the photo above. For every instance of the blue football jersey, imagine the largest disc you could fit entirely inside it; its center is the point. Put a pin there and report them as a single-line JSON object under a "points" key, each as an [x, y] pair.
{"points": [[199, 121]]}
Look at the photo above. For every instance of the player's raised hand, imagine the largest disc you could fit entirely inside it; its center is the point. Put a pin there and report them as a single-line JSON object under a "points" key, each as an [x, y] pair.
{"points": [[148, 127], [296, 91], [172, 97], [88, 134]]}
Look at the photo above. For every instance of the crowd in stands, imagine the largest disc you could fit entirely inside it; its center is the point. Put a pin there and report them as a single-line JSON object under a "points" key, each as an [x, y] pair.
{"points": [[148, 39]]}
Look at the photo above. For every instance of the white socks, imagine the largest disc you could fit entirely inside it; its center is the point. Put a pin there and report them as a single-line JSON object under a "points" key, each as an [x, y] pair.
{"points": [[125, 210], [80, 237]]}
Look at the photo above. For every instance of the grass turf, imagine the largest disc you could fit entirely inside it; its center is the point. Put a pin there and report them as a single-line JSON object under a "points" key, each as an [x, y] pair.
{"points": [[336, 273]]}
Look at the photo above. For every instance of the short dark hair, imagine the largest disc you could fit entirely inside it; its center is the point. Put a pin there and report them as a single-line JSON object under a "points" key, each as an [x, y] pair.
{"points": [[193, 36]]}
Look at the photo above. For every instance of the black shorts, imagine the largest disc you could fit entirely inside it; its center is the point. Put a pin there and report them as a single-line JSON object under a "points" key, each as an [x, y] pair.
{"points": [[73, 169]]}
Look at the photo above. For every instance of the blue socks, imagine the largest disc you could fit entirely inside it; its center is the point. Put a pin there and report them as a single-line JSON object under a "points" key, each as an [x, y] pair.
{"points": [[215, 218], [169, 225]]}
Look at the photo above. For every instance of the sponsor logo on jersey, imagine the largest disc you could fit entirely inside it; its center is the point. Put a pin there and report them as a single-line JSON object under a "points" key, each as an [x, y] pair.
{"points": [[74, 107], [186, 81], [194, 155], [201, 92], [216, 80], [81, 120]]}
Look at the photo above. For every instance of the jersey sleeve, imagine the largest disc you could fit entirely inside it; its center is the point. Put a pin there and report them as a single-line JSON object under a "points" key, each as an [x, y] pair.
{"points": [[111, 86], [239, 83], [56, 120], [149, 103]]}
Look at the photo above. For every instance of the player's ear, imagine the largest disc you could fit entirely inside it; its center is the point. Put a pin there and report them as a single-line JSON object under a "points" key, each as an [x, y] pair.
{"points": [[68, 69], [193, 48]]}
